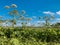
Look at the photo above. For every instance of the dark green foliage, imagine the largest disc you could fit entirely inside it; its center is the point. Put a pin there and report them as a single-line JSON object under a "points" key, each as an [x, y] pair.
{"points": [[17, 34]]}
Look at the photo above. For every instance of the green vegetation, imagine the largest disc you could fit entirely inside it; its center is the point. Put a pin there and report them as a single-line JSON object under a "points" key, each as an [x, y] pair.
{"points": [[19, 36]]}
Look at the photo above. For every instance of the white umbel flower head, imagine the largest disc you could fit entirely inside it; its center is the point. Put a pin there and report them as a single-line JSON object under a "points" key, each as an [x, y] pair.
{"points": [[7, 7], [14, 6], [23, 12]]}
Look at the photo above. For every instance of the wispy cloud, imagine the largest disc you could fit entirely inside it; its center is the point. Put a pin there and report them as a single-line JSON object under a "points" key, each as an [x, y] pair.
{"points": [[55, 21], [58, 12], [40, 21], [34, 17], [48, 12]]}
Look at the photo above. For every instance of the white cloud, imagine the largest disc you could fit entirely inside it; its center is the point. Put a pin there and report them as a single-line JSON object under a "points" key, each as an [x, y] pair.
{"points": [[58, 12], [48, 12], [55, 21], [40, 21], [58, 19]]}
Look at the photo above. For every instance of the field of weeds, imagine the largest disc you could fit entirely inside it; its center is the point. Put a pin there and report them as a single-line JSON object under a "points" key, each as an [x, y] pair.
{"points": [[19, 36]]}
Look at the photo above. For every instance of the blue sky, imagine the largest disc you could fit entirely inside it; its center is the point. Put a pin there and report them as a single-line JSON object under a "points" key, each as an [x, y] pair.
{"points": [[34, 8]]}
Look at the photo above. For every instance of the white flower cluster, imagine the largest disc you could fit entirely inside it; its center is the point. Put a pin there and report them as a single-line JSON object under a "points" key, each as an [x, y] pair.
{"points": [[13, 6], [7, 7]]}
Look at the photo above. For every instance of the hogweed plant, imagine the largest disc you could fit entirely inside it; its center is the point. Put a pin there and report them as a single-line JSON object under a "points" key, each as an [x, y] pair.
{"points": [[48, 19], [14, 13]]}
